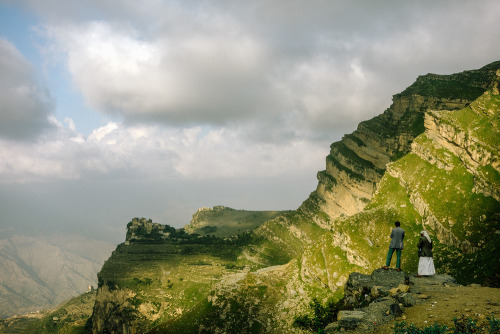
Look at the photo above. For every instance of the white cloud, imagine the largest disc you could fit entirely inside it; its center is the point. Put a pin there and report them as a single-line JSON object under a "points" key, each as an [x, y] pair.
{"points": [[25, 105], [207, 76], [152, 152]]}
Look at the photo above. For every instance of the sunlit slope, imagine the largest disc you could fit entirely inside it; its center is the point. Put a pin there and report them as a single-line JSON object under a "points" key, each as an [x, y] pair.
{"points": [[448, 184]]}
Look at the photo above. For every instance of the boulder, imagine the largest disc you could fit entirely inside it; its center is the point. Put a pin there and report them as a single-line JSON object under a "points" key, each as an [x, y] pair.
{"points": [[406, 299], [380, 297], [332, 328], [350, 319], [395, 310], [376, 285], [379, 311], [401, 288], [416, 282]]}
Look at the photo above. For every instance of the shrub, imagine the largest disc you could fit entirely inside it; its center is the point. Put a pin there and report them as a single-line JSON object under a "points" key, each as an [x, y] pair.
{"points": [[402, 328], [494, 325], [320, 318], [465, 326], [462, 325]]}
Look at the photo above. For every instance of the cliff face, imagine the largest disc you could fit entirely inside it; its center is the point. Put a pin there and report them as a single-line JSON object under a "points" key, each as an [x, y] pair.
{"points": [[430, 169], [357, 163]]}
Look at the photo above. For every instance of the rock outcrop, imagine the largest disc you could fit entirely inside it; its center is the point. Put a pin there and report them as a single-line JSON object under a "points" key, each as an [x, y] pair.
{"points": [[145, 229], [384, 295]]}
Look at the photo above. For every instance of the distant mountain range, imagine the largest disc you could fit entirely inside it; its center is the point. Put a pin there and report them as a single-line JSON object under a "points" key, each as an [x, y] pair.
{"points": [[40, 272]]}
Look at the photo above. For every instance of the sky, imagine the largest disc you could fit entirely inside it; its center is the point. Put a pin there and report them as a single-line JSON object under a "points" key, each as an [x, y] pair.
{"points": [[111, 110]]}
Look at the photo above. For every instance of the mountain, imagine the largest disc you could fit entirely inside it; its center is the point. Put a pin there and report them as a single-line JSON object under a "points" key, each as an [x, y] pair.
{"points": [[429, 161], [41, 272], [222, 221]]}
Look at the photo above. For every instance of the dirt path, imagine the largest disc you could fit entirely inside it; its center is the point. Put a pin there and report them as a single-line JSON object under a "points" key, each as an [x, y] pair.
{"points": [[443, 303]]}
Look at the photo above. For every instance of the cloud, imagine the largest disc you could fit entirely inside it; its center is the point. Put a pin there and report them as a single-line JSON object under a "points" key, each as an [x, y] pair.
{"points": [[25, 105], [213, 75], [206, 65], [150, 152], [263, 64], [196, 81]]}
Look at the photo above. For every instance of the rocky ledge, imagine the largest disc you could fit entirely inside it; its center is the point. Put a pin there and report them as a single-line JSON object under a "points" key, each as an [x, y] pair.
{"points": [[373, 302]]}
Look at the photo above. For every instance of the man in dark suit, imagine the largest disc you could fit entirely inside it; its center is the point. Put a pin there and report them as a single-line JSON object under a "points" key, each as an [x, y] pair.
{"points": [[397, 236]]}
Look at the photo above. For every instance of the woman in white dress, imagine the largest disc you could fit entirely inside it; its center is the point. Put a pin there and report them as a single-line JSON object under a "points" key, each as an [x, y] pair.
{"points": [[425, 262]]}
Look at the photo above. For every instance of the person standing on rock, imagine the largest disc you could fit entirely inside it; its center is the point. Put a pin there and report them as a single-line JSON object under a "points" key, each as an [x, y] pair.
{"points": [[397, 236], [425, 261]]}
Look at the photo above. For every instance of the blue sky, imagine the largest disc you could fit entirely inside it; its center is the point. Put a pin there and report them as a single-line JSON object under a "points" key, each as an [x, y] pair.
{"points": [[20, 28], [120, 109]]}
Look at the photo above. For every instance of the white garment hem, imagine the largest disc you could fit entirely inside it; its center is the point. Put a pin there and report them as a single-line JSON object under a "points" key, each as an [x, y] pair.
{"points": [[426, 266]]}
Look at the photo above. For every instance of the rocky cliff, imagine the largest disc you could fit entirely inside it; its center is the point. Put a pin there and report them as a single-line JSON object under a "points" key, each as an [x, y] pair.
{"points": [[429, 161], [357, 163]]}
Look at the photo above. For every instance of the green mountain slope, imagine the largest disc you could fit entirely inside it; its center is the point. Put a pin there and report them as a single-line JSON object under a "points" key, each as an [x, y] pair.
{"points": [[222, 221], [70, 317], [419, 163]]}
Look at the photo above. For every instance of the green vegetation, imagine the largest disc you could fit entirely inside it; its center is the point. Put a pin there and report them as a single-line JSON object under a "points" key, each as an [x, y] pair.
{"points": [[321, 316], [478, 267], [223, 222], [73, 317], [462, 325], [456, 86], [456, 184], [480, 119], [402, 328], [179, 247]]}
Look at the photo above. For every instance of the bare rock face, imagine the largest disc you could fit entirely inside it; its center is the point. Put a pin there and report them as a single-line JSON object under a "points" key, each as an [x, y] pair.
{"points": [[356, 164], [114, 313], [145, 229]]}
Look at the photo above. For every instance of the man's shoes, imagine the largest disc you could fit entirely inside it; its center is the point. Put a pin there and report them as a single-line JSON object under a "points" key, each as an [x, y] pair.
{"points": [[385, 267]]}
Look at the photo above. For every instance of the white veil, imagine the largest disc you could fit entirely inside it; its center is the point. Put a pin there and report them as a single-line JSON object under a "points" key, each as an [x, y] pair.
{"points": [[426, 235]]}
